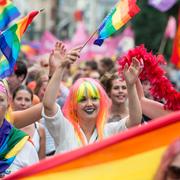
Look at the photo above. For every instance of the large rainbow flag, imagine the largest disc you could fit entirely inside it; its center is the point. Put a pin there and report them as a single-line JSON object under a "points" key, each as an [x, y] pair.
{"points": [[8, 12], [118, 17], [11, 42], [134, 154]]}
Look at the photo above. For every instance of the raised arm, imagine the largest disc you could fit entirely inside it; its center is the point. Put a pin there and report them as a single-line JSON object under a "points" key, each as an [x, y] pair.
{"points": [[49, 100], [131, 74], [150, 108], [28, 116]]}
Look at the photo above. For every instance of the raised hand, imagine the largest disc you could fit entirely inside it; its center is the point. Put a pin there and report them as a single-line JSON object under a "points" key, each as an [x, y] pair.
{"points": [[72, 55], [56, 57], [132, 72]]}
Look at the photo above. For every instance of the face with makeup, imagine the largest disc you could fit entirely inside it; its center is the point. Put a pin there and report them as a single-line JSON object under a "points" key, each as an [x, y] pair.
{"points": [[3, 101], [88, 102]]}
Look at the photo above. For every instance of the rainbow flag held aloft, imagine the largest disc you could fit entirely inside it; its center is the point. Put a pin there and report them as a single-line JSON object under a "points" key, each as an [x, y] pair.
{"points": [[118, 17], [5, 69], [133, 154], [175, 57], [8, 12], [11, 39]]}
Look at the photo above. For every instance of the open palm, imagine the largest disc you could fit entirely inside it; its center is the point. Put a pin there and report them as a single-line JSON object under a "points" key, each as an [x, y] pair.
{"points": [[132, 72]]}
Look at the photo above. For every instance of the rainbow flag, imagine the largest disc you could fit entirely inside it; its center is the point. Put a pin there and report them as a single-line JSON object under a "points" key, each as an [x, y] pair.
{"points": [[175, 57], [118, 17], [8, 12], [5, 69], [11, 39], [28, 50], [134, 154]]}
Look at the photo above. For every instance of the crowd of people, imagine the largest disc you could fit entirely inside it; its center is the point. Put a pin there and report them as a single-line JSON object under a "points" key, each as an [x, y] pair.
{"points": [[58, 104]]}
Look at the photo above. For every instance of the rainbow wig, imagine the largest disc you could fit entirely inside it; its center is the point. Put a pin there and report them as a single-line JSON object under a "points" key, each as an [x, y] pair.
{"points": [[77, 91]]}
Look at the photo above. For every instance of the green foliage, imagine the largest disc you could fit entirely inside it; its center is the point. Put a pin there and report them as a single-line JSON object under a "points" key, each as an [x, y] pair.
{"points": [[149, 26]]}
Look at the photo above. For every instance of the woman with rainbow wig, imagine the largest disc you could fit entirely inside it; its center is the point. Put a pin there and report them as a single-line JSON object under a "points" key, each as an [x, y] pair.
{"points": [[83, 118], [16, 150]]}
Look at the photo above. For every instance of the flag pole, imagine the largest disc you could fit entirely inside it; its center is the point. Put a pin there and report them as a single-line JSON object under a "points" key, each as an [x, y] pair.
{"points": [[92, 35], [162, 45]]}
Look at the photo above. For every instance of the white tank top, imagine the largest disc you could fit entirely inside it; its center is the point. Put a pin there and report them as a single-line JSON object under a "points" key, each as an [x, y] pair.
{"points": [[36, 137]]}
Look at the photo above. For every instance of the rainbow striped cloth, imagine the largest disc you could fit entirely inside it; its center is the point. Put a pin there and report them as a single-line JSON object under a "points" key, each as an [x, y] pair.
{"points": [[12, 141], [5, 68], [8, 12], [118, 17], [134, 154], [11, 42]]}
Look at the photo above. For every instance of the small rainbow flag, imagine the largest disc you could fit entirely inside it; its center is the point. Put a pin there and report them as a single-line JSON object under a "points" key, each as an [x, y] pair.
{"points": [[11, 39], [118, 16], [8, 12], [133, 154], [28, 50]]}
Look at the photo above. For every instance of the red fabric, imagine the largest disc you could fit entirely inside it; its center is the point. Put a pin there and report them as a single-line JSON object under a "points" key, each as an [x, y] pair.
{"points": [[175, 58], [161, 87]]}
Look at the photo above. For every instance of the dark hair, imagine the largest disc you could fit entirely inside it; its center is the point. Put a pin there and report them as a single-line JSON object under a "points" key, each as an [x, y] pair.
{"points": [[20, 69], [106, 81], [92, 64], [108, 63], [22, 87]]}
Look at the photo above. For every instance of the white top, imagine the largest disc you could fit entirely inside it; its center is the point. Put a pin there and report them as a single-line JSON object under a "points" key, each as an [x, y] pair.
{"points": [[65, 137], [25, 157], [36, 137]]}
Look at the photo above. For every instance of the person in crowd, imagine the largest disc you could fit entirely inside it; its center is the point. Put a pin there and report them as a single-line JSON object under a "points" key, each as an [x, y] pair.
{"points": [[86, 108], [94, 75], [150, 108], [16, 151], [41, 83], [21, 100], [116, 89], [105, 65], [169, 168], [19, 75], [89, 67]]}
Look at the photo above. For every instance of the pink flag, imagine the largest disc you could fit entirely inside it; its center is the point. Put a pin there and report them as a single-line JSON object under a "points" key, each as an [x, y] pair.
{"points": [[170, 31]]}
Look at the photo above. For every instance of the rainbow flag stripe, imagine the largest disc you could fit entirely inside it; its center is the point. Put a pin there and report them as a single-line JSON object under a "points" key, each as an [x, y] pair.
{"points": [[5, 69], [118, 17], [11, 39], [134, 154], [28, 50], [8, 12]]}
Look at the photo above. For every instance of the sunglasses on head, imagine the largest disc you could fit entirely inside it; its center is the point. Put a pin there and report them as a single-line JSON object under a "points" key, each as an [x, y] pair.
{"points": [[173, 172]]}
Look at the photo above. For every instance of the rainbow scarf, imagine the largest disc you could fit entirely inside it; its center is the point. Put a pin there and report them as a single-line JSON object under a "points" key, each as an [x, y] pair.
{"points": [[8, 12], [118, 17], [11, 41], [12, 141]]}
